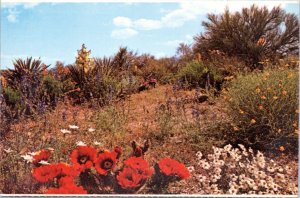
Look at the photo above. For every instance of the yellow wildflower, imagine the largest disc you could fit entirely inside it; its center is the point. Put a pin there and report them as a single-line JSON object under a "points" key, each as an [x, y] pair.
{"points": [[263, 97], [242, 112], [281, 148], [257, 90], [253, 121], [290, 75], [275, 97], [284, 93], [279, 130], [295, 124]]}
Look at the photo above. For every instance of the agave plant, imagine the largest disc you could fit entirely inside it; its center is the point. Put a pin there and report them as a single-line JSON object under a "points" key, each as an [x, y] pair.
{"points": [[30, 69], [104, 66]]}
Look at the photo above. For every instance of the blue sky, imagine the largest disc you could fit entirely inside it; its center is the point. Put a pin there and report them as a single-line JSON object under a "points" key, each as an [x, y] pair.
{"points": [[55, 31]]}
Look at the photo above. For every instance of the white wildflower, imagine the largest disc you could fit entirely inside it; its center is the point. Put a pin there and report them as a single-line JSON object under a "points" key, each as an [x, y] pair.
{"points": [[43, 162], [262, 183], [233, 177], [191, 168], [232, 190], [218, 170], [97, 143], [242, 147], [270, 169], [288, 169], [65, 131], [261, 174], [206, 165], [8, 150], [73, 127], [199, 155], [27, 158], [201, 178], [280, 169], [80, 143], [228, 147], [242, 165], [91, 130]]}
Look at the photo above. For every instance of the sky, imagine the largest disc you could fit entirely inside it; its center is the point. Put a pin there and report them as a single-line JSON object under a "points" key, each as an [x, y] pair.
{"points": [[55, 31]]}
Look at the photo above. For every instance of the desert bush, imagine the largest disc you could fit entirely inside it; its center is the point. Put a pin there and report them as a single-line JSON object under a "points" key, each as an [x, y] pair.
{"points": [[196, 74], [12, 97], [251, 34], [240, 170], [264, 108]]}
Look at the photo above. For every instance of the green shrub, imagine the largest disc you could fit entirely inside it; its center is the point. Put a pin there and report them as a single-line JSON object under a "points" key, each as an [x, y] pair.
{"points": [[196, 74], [264, 108], [52, 86], [12, 97]]}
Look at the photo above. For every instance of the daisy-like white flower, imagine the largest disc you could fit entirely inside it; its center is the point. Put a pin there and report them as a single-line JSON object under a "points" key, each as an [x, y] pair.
{"points": [[73, 127], [97, 143], [201, 178], [91, 130], [191, 168], [65, 131], [43, 162], [80, 143], [27, 158], [8, 150], [270, 169], [199, 155], [206, 165], [228, 147]]}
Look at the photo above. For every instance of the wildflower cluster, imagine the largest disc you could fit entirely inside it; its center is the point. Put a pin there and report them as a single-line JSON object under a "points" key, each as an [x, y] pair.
{"points": [[231, 170], [93, 171]]}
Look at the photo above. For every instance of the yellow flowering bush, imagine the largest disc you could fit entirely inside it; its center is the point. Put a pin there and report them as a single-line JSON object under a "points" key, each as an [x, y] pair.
{"points": [[264, 106]]}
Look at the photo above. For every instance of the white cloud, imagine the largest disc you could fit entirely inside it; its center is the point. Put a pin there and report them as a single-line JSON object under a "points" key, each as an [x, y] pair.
{"points": [[14, 5], [147, 24], [190, 10], [13, 12], [122, 21], [12, 15], [123, 33]]}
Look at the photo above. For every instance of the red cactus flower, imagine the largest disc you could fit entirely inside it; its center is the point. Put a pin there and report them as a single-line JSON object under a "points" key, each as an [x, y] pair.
{"points": [[83, 157], [140, 165], [67, 189], [41, 155], [105, 162], [67, 180], [171, 167], [129, 179], [46, 173]]}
